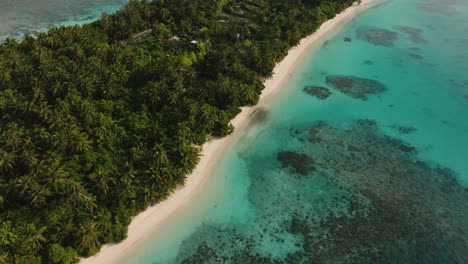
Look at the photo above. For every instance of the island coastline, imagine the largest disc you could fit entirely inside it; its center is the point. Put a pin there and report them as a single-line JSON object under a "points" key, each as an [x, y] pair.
{"points": [[149, 221]]}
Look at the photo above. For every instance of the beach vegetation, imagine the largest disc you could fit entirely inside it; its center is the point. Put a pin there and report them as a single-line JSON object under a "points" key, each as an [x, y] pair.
{"points": [[96, 125]]}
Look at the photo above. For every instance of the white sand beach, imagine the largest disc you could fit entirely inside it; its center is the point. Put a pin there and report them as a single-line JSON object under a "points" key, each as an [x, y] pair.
{"points": [[147, 223]]}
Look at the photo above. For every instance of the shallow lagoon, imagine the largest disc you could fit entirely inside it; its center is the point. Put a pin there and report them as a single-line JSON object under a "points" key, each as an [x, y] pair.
{"points": [[21, 17], [375, 171]]}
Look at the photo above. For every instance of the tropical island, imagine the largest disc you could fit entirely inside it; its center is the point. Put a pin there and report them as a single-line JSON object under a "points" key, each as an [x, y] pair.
{"points": [[99, 121]]}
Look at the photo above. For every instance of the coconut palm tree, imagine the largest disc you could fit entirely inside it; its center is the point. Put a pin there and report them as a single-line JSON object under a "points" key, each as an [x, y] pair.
{"points": [[88, 237], [7, 161], [39, 198], [161, 156], [102, 181], [36, 238], [57, 177], [80, 142], [4, 258], [79, 196]]}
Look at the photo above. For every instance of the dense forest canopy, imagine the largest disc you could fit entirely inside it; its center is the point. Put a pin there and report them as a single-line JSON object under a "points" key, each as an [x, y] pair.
{"points": [[99, 121]]}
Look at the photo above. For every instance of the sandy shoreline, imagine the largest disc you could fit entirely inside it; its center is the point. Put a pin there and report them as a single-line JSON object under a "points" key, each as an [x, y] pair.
{"points": [[148, 222]]}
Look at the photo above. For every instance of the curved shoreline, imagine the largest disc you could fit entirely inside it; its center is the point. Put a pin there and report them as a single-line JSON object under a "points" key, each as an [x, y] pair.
{"points": [[149, 221]]}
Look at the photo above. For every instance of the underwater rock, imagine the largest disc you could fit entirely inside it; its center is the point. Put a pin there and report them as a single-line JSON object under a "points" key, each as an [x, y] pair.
{"points": [[347, 39], [377, 36], [301, 164], [366, 123], [355, 87], [368, 62], [317, 91], [416, 56], [405, 130]]}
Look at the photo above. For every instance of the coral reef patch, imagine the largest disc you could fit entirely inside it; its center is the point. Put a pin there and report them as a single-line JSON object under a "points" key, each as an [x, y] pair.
{"points": [[416, 56], [368, 62], [301, 164], [377, 36], [413, 33], [404, 130], [356, 87], [318, 91], [371, 200]]}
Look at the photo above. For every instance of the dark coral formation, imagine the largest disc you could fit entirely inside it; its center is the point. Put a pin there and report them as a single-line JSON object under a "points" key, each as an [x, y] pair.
{"points": [[318, 91], [301, 164], [229, 246], [371, 200], [417, 206], [368, 62], [377, 36], [459, 83], [413, 33], [405, 130], [347, 39], [416, 56], [358, 88], [446, 8]]}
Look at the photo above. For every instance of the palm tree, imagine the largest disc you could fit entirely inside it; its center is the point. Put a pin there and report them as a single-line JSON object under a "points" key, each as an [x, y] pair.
{"points": [[22, 184], [250, 95], [14, 134], [58, 176], [4, 258], [36, 237], [81, 143], [161, 159], [79, 196], [127, 183], [152, 93], [88, 242], [7, 161], [102, 181], [189, 157], [38, 196], [29, 157]]}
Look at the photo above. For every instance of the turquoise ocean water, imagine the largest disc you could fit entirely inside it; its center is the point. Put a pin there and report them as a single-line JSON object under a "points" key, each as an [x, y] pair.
{"points": [[368, 175], [375, 173], [20, 17]]}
